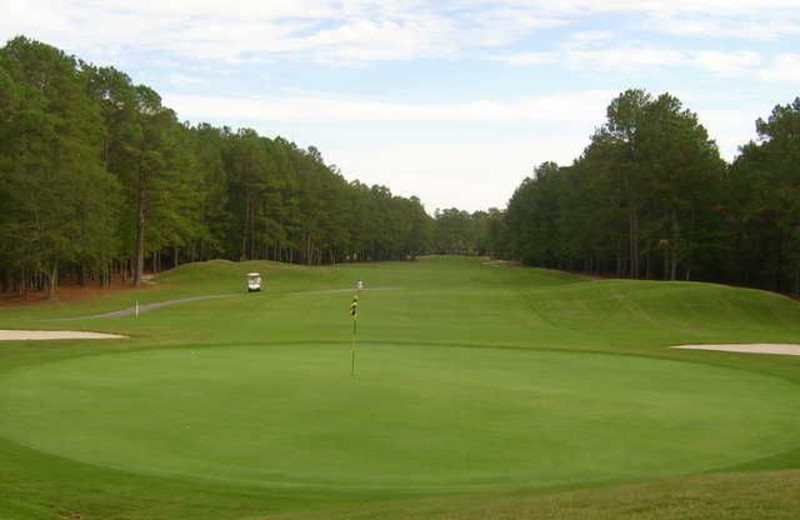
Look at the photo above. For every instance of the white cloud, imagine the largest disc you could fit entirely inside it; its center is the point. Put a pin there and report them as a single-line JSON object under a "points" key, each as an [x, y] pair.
{"points": [[355, 31], [178, 79], [760, 28], [736, 63], [733, 127], [639, 57], [588, 38], [503, 25], [358, 31], [585, 106], [737, 19], [528, 58], [784, 68], [651, 7], [489, 156], [329, 31], [625, 58], [473, 175]]}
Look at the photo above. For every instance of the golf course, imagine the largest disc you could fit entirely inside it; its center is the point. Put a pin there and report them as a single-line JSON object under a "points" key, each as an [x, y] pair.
{"points": [[481, 390]]}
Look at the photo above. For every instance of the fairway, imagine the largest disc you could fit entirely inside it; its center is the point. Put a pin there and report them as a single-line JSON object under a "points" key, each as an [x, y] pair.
{"points": [[415, 416], [472, 380]]}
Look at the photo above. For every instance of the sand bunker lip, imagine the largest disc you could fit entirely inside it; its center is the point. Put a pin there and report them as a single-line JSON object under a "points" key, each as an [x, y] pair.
{"points": [[750, 348], [44, 335]]}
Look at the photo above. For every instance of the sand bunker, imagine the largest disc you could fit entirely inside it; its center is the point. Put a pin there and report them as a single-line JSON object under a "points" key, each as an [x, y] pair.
{"points": [[752, 348], [24, 335]]}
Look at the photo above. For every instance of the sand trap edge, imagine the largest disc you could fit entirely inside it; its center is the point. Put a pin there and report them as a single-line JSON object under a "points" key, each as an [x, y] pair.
{"points": [[749, 348], [45, 335]]}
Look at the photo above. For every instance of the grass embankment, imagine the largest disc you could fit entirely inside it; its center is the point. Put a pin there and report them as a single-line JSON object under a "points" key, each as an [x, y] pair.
{"points": [[481, 391]]}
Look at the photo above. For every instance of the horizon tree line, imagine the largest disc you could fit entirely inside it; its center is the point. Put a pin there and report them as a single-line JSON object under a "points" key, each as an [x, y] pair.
{"points": [[98, 180], [650, 197]]}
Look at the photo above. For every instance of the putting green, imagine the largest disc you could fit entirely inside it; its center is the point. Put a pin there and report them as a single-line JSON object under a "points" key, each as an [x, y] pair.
{"points": [[413, 417]]}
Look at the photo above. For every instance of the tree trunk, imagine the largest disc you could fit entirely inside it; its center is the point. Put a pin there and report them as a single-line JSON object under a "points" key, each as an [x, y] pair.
{"points": [[140, 221], [23, 283], [673, 269], [52, 282], [246, 226], [634, 243], [778, 275]]}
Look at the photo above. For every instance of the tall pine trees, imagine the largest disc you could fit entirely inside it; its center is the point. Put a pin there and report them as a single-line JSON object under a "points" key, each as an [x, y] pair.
{"points": [[97, 176]]}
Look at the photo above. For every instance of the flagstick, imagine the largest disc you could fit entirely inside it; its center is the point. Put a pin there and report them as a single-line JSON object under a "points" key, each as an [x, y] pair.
{"points": [[353, 364]]}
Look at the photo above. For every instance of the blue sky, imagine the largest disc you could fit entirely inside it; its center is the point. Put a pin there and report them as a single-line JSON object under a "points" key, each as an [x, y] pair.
{"points": [[452, 101]]}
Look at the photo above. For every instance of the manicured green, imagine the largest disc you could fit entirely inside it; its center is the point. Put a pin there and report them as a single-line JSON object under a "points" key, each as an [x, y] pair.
{"points": [[480, 390]]}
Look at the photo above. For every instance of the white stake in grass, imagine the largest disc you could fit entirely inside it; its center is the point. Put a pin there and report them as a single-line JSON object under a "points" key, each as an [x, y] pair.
{"points": [[137, 309]]}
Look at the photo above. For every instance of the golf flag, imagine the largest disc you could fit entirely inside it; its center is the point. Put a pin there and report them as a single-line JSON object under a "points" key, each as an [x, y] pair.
{"points": [[354, 314]]}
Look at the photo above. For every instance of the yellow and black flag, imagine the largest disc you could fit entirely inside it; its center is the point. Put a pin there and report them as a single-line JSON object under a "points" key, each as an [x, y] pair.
{"points": [[354, 314]]}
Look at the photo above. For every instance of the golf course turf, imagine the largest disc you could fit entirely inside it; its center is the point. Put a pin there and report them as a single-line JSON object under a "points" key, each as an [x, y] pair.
{"points": [[480, 391]]}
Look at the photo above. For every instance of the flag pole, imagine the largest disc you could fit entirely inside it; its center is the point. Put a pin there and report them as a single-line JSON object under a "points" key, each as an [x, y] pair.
{"points": [[353, 364], [354, 315]]}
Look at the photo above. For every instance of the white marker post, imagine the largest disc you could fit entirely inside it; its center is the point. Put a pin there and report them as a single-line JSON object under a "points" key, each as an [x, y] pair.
{"points": [[137, 309]]}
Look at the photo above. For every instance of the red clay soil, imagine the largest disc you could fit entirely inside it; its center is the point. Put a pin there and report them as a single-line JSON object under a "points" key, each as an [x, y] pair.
{"points": [[70, 292]]}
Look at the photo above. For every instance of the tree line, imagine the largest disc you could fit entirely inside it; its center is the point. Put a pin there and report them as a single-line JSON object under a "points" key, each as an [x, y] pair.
{"points": [[99, 179], [650, 197]]}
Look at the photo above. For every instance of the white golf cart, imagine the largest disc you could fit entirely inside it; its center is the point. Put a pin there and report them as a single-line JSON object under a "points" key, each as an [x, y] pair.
{"points": [[253, 282]]}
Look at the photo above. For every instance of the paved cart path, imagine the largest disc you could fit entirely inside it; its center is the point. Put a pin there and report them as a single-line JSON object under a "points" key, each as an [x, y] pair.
{"points": [[130, 311]]}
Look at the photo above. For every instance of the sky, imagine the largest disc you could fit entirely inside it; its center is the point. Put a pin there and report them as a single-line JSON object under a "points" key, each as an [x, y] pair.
{"points": [[452, 101]]}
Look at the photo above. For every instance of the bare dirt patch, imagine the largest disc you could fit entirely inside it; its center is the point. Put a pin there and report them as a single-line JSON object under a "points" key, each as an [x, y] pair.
{"points": [[72, 292], [751, 348], [43, 335]]}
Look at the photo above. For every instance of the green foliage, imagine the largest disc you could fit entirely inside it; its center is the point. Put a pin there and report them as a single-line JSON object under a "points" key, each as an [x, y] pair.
{"points": [[58, 199], [651, 198], [460, 232], [97, 175], [764, 211]]}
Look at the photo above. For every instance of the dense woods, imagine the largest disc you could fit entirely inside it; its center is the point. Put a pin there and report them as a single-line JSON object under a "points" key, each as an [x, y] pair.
{"points": [[99, 179], [650, 197]]}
